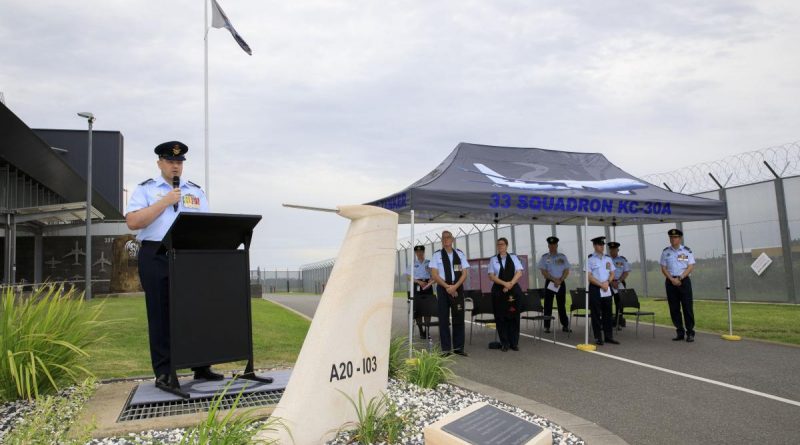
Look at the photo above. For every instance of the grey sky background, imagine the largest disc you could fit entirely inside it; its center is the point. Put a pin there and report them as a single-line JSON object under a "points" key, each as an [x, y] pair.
{"points": [[347, 101]]}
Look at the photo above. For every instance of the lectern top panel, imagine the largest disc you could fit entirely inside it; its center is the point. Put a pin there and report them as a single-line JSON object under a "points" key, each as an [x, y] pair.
{"points": [[212, 231]]}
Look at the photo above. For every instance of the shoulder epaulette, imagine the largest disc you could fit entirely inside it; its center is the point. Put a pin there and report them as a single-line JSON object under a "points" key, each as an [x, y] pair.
{"points": [[623, 258], [590, 255], [437, 251], [192, 184], [665, 249], [687, 248], [545, 254], [459, 250], [147, 181]]}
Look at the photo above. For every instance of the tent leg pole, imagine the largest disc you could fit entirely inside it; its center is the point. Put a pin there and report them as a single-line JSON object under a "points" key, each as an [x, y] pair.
{"points": [[411, 293], [586, 346], [729, 335]]}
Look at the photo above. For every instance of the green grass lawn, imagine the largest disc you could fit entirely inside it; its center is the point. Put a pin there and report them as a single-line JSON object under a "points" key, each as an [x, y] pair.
{"points": [[278, 335], [774, 322]]}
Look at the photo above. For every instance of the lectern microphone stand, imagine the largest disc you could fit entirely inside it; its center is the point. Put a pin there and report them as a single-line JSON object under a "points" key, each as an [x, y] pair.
{"points": [[209, 291]]}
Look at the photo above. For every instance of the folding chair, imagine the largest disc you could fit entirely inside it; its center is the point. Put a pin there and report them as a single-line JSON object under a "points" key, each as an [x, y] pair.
{"points": [[428, 307], [628, 299], [532, 302], [482, 311], [578, 296]]}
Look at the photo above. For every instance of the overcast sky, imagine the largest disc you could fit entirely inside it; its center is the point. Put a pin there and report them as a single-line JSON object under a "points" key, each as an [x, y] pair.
{"points": [[347, 101]]}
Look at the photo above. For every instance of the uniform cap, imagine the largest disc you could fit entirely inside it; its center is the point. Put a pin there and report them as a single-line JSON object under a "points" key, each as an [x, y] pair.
{"points": [[674, 232], [172, 151], [419, 248], [613, 245], [599, 240], [552, 240]]}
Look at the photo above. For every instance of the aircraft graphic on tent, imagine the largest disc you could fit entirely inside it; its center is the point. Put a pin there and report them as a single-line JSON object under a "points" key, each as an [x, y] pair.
{"points": [[76, 277], [52, 263], [75, 252], [102, 262], [624, 186]]}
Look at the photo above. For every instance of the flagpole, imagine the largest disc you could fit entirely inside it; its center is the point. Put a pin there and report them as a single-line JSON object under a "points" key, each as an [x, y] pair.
{"points": [[205, 97]]}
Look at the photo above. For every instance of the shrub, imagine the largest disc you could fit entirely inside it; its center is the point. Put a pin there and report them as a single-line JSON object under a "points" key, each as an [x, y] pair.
{"points": [[43, 339], [231, 429], [429, 369], [397, 358], [378, 420]]}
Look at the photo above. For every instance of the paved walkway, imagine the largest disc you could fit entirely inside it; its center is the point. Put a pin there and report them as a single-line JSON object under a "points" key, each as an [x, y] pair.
{"points": [[646, 390]]}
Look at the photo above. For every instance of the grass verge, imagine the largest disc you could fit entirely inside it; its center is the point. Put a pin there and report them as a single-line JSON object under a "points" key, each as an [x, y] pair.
{"points": [[124, 351]]}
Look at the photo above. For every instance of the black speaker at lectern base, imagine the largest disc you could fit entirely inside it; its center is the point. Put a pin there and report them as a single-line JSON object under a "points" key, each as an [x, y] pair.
{"points": [[209, 292]]}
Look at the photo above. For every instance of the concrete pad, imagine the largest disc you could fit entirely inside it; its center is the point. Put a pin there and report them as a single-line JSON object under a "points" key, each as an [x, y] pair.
{"points": [[104, 407]]}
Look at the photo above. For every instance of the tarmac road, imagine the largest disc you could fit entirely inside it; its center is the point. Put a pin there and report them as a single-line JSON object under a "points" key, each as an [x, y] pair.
{"points": [[646, 390]]}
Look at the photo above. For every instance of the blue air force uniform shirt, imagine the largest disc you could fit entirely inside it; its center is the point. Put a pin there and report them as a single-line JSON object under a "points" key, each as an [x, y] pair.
{"points": [[421, 269], [676, 260], [193, 199], [436, 262], [600, 266], [554, 264], [494, 264], [621, 265]]}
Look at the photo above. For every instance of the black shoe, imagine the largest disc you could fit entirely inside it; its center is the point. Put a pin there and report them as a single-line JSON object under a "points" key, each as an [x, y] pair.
{"points": [[598, 342], [546, 330], [690, 339], [677, 338], [622, 322], [566, 329], [504, 348], [612, 341], [207, 374], [515, 348], [170, 384], [461, 353]]}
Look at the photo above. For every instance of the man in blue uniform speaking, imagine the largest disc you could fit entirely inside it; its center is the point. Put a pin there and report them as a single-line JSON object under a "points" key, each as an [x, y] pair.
{"points": [[152, 209], [677, 263]]}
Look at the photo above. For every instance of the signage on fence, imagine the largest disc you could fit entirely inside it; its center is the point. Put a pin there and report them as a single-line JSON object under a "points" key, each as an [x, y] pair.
{"points": [[761, 263]]}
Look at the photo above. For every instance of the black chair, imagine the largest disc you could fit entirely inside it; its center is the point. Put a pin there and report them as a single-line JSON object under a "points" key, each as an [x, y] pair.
{"points": [[428, 307], [578, 296], [482, 311], [628, 299], [532, 302]]}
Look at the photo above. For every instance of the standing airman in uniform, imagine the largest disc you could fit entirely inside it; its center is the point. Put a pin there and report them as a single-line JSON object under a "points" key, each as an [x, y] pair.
{"points": [[152, 209], [555, 269], [601, 274], [677, 263], [622, 268], [423, 286], [505, 271], [449, 269]]}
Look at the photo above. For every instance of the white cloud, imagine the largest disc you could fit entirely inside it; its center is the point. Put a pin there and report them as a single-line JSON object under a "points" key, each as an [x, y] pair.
{"points": [[347, 101]]}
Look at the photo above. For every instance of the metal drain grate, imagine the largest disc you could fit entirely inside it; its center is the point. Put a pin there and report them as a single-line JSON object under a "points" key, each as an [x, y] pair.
{"points": [[191, 406]]}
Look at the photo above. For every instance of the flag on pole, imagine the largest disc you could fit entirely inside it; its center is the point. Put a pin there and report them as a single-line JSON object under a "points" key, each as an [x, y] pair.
{"points": [[220, 20]]}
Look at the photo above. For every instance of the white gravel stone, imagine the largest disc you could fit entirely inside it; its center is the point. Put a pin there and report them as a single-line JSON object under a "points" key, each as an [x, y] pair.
{"points": [[421, 406]]}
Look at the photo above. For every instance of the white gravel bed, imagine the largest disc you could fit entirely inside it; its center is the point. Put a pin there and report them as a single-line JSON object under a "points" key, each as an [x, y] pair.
{"points": [[422, 406], [426, 406]]}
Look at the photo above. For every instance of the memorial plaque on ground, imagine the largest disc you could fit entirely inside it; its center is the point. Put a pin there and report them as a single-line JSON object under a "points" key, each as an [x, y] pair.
{"points": [[489, 425]]}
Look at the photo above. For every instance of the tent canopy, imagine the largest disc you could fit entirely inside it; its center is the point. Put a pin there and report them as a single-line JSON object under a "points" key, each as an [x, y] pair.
{"points": [[514, 185]]}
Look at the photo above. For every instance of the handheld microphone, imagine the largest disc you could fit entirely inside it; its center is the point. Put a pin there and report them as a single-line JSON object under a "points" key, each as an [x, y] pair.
{"points": [[176, 183]]}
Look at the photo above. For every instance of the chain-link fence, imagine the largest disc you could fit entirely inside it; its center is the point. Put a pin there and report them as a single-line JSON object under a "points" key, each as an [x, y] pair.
{"points": [[277, 280], [760, 188]]}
